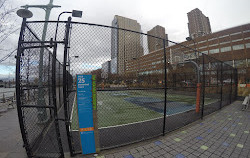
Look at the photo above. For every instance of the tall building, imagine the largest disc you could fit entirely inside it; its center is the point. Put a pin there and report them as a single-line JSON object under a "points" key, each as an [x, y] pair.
{"points": [[198, 24], [155, 43], [125, 45]]}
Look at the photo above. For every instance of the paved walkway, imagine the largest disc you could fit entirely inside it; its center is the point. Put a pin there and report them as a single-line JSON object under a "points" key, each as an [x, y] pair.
{"points": [[222, 134], [10, 136]]}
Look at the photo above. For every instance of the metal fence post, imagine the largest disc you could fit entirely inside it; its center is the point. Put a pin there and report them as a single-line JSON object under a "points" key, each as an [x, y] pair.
{"points": [[236, 83], [204, 85], [65, 97], [54, 100], [18, 90], [221, 82], [231, 84], [165, 87]]}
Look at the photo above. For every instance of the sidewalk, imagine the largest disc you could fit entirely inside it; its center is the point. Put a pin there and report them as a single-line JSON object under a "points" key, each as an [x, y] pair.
{"points": [[222, 134], [10, 136]]}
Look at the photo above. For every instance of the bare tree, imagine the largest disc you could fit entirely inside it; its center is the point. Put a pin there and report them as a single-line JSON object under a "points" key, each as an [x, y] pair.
{"points": [[7, 21]]}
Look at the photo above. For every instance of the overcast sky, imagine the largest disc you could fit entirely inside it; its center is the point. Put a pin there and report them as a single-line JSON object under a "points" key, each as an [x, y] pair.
{"points": [[170, 14]]}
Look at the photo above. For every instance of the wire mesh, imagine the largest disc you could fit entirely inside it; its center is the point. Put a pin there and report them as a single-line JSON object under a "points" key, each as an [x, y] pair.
{"points": [[37, 108], [138, 78]]}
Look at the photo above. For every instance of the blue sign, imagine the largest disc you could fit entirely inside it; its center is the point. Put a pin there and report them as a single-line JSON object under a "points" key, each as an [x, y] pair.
{"points": [[85, 113]]}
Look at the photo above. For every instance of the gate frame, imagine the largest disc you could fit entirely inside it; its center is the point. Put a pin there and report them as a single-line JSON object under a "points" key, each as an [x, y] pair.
{"points": [[18, 90]]}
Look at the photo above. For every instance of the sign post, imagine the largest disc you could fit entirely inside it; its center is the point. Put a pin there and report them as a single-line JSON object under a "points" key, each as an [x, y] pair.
{"points": [[86, 103]]}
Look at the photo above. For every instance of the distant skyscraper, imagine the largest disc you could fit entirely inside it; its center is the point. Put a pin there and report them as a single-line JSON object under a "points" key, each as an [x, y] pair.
{"points": [[154, 43], [125, 45], [198, 24]]}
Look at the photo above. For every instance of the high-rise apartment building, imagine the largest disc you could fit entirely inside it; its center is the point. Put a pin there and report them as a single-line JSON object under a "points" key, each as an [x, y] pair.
{"points": [[155, 43], [198, 24], [125, 45]]}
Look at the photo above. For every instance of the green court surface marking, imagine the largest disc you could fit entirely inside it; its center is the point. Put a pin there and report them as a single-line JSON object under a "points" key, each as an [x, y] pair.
{"points": [[246, 132], [113, 110], [232, 135], [204, 147], [184, 132], [177, 139], [239, 145]]}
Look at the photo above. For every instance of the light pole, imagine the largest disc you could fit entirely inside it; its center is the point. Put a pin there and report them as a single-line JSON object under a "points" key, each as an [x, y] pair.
{"points": [[75, 13], [42, 114]]}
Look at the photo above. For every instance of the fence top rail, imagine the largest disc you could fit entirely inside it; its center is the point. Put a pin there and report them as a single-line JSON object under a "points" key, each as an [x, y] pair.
{"points": [[106, 26]]}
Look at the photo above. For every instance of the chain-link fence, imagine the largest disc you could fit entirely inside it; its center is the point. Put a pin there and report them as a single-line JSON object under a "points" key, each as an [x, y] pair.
{"points": [[145, 88]]}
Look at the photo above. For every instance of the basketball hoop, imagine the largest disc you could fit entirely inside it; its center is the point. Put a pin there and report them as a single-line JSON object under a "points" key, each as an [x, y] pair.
{"points": [[176, 58]]}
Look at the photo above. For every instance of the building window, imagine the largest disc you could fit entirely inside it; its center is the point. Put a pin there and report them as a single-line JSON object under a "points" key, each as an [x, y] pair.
{"points": [[238, 47], [224, 36], [236, 33], [213, 51], [246, 31], [203, 47], [225, 42], [213, 45], [201, 42], [212, 39], [236, 40], [247, 45], [247, 38], [225, 49]]}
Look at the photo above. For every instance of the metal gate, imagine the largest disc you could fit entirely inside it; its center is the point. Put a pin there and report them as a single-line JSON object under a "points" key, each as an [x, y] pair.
{"points": [[36, 94]]}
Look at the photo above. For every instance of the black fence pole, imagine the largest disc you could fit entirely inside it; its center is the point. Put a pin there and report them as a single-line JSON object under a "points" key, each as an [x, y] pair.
{"points": [[55, 102], [231, 86], [236, 83], [221, 82], [18, 90], [203, 85], [65, 97], [165, 87]]}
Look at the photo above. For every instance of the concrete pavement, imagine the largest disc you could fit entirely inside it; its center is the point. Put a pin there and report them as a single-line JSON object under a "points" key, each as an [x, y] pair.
{"points": [[10, 136]]}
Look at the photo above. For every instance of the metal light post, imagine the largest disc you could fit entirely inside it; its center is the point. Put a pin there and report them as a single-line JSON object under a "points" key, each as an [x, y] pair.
{"points": [[75, 13], [42, 114]]}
